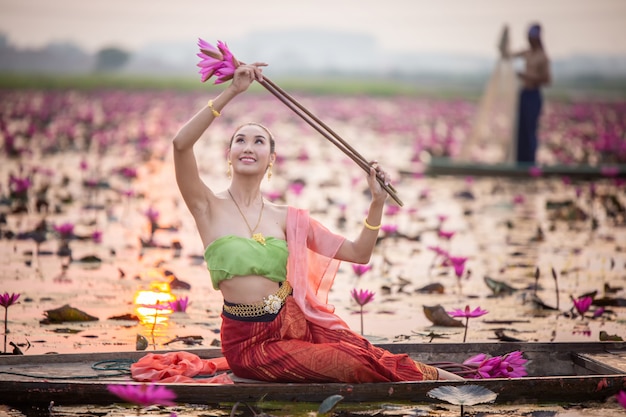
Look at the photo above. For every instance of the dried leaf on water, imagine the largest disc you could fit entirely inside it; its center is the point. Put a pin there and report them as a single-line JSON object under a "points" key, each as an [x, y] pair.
{"points": [[499, 287], [188, 340], [439, 317], [66, 313], [436, 288], [605, 337], [66, 330], [141, 343]]}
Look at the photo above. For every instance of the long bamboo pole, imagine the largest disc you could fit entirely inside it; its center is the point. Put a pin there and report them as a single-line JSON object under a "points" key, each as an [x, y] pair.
{"points": [[327, 132]]}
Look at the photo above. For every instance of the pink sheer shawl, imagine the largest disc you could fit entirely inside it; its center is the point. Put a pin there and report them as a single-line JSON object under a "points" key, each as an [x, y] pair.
{"points": [[311, 268]]}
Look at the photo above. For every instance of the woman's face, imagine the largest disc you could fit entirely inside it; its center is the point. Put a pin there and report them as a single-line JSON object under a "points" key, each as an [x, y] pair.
{"points": [[250, 150]]}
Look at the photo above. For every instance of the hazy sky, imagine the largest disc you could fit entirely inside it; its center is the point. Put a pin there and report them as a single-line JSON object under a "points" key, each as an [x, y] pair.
{"points": [[457, 26]]}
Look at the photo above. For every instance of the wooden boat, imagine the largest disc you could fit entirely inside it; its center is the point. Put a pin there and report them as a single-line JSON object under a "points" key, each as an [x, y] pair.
{"points": [[446, 166], [558, 372]]}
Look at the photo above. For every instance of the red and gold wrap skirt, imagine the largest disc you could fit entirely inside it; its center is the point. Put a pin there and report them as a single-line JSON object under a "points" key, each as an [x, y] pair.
{"points": [[290, 348]]}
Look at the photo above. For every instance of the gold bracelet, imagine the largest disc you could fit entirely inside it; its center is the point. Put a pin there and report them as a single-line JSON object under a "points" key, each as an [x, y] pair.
{"points": [[369, 226], [215, 112]]}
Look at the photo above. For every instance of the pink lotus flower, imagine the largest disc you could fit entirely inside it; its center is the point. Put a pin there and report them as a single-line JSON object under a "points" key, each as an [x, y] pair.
{"points": [[511, 365], [392, 210], [296, 187], [360, 269], [65, 230], [445, 235], [458, 263], [389, 229], [6, 301], [19, 185], [144, 394], [362, 297], [179, 305], [216, 61], [582, 304], [477, 312], [96, 236]]}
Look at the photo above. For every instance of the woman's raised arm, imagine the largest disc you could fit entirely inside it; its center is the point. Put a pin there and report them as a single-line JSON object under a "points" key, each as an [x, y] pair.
{"points": [[193, 190]]}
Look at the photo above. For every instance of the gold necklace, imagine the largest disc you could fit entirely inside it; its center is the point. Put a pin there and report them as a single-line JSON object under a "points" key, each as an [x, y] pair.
{"points": [[255, 236]]}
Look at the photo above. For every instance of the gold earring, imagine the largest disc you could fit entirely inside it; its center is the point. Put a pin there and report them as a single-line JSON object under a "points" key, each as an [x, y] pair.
{"points": [[269, 171], [228, 172]]}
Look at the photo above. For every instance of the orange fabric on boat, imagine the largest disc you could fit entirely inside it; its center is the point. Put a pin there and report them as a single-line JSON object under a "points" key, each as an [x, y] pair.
{"points": [[179, 367]]}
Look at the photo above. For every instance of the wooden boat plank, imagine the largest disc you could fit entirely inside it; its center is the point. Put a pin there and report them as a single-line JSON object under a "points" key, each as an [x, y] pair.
{"points": [[522, 390], [557, 372], [601, 362]]}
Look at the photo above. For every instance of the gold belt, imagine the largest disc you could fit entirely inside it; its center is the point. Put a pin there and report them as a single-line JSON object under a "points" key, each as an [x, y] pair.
{"points": [[270, 304]]}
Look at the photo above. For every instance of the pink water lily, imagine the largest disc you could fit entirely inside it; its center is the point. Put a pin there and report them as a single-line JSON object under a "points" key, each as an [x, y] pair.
{"points": [[511, 365], [477, 312], [362, 297], [179, 305], [360, 269], [458, 263], [389, 229], [447, 235], [65, 230], [582, 304], [6, 301], [144, 394], [96, 236], [218, 61]]}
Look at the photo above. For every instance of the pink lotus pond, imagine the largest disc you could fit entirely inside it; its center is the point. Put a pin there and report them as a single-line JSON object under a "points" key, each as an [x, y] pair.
{"points": [[91, 216]]}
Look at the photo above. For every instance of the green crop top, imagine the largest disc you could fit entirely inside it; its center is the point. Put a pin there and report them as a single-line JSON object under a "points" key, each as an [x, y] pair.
{"points": [[230, 256]]}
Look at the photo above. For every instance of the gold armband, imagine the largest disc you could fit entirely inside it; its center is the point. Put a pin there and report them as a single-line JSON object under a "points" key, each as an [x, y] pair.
{"points": [[215, 112], [369, 226]]}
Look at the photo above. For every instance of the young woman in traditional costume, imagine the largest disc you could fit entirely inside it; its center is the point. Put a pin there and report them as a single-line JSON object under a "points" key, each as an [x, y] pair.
{"points": [[275, 265]]}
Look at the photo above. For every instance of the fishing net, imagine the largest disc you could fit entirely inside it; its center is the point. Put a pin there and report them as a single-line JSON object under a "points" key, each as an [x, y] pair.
{"points": [[492, 137]]}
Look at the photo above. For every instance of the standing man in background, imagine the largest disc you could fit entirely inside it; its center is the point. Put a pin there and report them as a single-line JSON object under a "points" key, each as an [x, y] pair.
{"points": [[536, 74]]}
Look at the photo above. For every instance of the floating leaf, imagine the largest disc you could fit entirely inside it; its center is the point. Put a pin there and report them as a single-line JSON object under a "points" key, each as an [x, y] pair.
{"points": [[605, 337], [436, 288], [141, 343], [499, 287], [440, 317], [66, 331], [463, 394], [66, 313], [329, 403]]}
